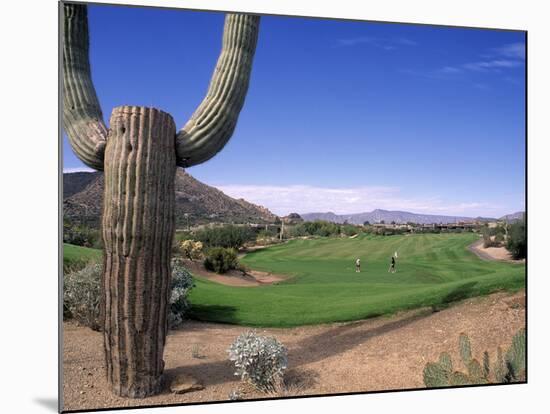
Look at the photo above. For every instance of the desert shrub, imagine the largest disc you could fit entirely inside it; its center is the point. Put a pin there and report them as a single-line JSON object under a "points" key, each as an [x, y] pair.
{"points": [[235, 395], [182, 283], [181, 236], [315, 228], [489, 241], [220, 259], [259, 360], [82, 295], [229, 236], [517, 240], [192, 249], [507, 369], [244, 269], [81, 235], [498, 230], [349, 230], [266, 234], [298, 230]]}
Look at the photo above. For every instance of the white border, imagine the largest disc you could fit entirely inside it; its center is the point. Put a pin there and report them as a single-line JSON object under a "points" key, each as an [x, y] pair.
{"points": [[28, 30]]}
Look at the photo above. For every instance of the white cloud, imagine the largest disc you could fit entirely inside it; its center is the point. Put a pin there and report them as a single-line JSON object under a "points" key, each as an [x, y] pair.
{"points": [[492, 64], [77, 169], [283, 200], [508, 56], [512, 50]]}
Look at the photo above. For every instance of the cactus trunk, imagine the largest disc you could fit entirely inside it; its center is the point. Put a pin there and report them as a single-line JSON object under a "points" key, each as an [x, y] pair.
{"points": [[138, 229], [139, 157]]}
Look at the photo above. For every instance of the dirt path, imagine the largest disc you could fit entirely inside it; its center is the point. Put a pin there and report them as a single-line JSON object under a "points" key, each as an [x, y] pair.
{"points": [[492, 253], [234, 277], [376, 354]]}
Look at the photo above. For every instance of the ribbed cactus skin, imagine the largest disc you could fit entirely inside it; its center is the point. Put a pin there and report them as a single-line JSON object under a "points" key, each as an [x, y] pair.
{"points": [[139, 159], [214, 121], [138, 229], [82, 115]]}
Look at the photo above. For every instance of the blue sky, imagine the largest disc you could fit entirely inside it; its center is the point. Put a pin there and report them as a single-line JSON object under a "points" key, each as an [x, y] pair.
{"points": [[340, 116]]}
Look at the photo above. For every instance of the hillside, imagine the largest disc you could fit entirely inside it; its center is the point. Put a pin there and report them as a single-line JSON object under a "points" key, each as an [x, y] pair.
{"points": [[513, 217], [376, 216], [83, 197]]}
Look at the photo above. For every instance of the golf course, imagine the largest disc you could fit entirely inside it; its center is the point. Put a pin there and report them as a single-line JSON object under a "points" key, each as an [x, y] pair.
{"points": [[322, 286]]}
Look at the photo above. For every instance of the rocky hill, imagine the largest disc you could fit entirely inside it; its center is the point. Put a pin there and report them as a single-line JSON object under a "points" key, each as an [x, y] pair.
{"points": [[376, 216], [196, 202], [513, 217]]}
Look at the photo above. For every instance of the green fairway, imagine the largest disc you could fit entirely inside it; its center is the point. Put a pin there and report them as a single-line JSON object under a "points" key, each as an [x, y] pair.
{"points": [[322, 285], [432, 269], [78, 256]]}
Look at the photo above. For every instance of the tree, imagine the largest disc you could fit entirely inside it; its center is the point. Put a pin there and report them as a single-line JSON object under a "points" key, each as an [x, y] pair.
{"points": [[517, 239], [139, 154], [228, 236]]}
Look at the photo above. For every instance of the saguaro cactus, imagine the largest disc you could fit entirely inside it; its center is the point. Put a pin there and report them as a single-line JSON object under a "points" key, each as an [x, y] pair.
{"points": [[139, 154]]}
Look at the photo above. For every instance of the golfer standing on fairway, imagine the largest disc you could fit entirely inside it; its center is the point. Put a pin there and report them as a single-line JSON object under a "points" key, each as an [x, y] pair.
{"points": [[358, 265], [392, 266]]}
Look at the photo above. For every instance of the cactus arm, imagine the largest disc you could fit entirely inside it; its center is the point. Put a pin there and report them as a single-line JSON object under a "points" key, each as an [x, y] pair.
{"points": [[214, 121], [82, 115]]}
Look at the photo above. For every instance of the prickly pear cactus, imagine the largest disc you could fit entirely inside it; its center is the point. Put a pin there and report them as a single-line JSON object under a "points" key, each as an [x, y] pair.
{"points": [[508, 368]]}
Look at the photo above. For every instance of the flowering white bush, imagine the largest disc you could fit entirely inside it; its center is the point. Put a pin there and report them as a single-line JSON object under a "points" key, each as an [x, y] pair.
{"points": [[82, 294], [259, 359], [182, 282]]}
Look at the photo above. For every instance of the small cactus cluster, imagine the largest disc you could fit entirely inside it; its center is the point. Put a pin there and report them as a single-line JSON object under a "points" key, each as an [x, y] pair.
{"points": [[506, 369]]}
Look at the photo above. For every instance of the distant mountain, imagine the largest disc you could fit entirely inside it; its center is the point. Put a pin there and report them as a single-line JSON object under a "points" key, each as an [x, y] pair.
{"points": [[513, 217], [83, 198], [75, 182], [376, 216]]}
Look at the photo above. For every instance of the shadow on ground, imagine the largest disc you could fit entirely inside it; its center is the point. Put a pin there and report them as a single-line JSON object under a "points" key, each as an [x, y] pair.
{"points": [[312, 349], [343, 338], [460, 293], [219, 313]]}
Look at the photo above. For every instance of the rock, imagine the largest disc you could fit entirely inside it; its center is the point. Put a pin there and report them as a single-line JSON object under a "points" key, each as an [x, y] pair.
{"points": [[184, 383]]}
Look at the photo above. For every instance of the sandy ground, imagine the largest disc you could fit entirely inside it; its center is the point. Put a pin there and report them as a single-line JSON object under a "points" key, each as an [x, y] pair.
{"points": [[234, 277], [376, 354], [492, 253]]}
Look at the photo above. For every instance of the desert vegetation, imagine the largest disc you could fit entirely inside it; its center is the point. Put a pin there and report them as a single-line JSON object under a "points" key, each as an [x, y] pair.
{"points": [[517, 239], [227, 236], [221, 259], [260, 360], [82, 291], [507, 368], [128, 278], [148, 169]]}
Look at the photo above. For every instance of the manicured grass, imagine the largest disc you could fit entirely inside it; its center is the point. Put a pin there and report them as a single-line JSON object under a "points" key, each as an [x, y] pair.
{"points": [[432, 270], [78, 256]]}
